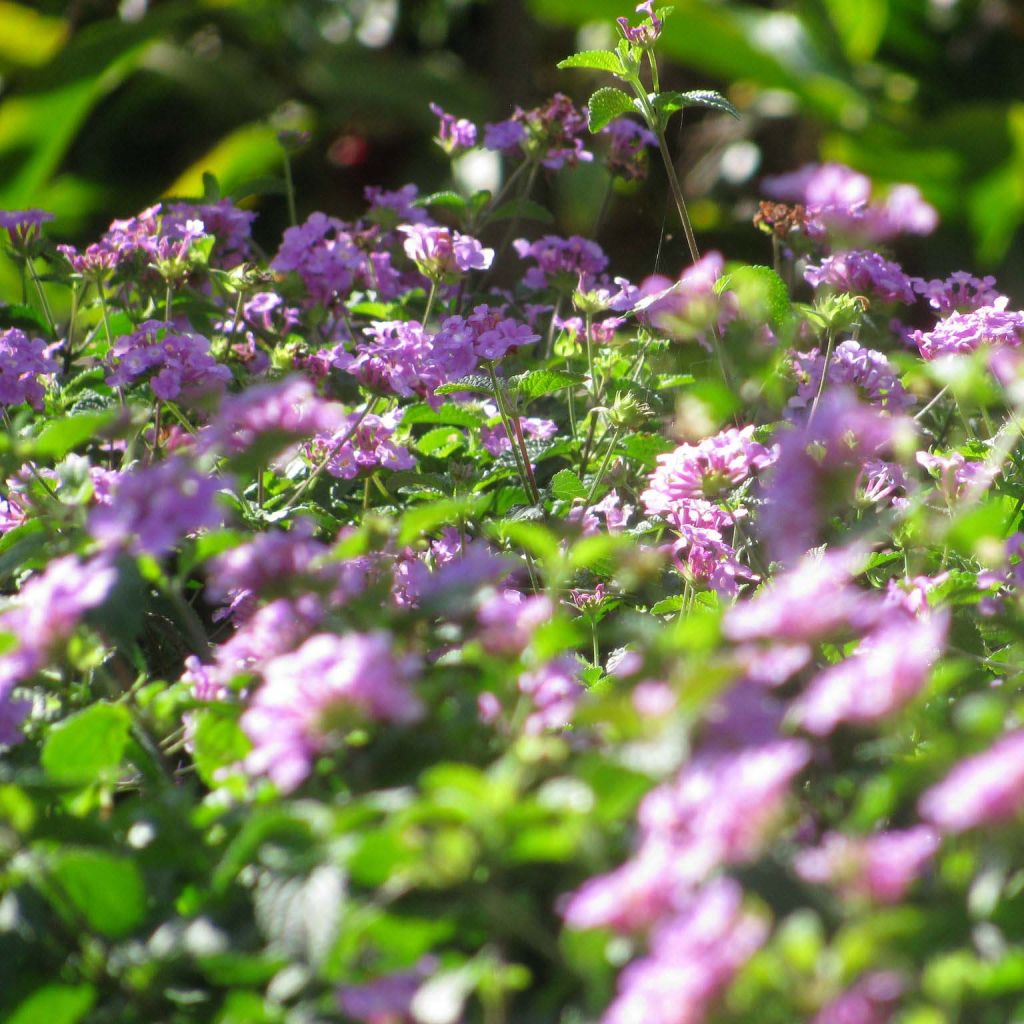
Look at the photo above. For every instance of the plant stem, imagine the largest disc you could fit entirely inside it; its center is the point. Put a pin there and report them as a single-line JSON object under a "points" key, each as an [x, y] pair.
{"points": [[829, 340], [514, 432], [289, 191]]}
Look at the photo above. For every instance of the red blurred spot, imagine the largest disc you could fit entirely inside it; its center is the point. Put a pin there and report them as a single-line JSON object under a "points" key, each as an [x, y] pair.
{"points": [[348, 151]]}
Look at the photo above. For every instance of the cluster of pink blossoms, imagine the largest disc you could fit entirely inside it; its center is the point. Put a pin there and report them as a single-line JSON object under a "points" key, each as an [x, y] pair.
{"points": [[23, 361]]}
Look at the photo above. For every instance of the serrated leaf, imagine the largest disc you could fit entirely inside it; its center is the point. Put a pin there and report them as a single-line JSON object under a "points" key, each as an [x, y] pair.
{"points": [[523, 209], [446, 197], [537, 383], [667, 605], [606, 105], [475, 382], [760, 292], [566, 485], [669, 102], [107, 890], [449, 414], [87, 746], [596, 60], [646, 448], [440, 441]]}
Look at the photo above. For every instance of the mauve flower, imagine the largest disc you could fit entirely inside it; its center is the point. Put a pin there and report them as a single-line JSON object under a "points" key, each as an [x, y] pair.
{"points": [[960, 292], [887, 669], [398, 356], [862, 271], [24, 226], [965, 332], [174, 362], [361, 442], [628, 146], [707, 469], [881, 867], [455, 135], [868, 371], [386, 1000], [689, 307], [693, 957], [46, 611], [570, 262], [957, 476], [330, 681], [323, 252], [872, 1000], [441, 254], [230, 226], [155, 507], [813, 600], [23, 360], [508, 620], [272, 415], [647, 32], [986, 789], [554, 690]]}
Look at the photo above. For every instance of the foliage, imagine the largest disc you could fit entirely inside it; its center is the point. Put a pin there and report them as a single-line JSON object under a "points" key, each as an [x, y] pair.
{"points": [[382, 643]]}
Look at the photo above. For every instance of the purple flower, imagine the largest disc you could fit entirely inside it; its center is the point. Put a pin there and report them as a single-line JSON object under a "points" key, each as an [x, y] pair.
{"points": [[966, 332], [647, 32], [880, 867], [155, 507], [330, 682], [323, 252], [441, 254], [174, 362], [46, 612], [872, 1000], [455, 135], [230, 226], [496, 441], [550, 134], [707, 469], [23, 360], [862, 270], [270, 414], [397, 356], [361, 443], [986, 789], [508, 619], [563, 263], [886, 670], [555, 690], [958, 477], [812, 601], [386, 1000], [959, 293], [628, 143], [24, 227], [689, 307], [504, 136], [693, 957]]}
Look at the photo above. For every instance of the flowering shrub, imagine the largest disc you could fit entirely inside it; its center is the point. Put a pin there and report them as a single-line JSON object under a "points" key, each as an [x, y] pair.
{"points": [[384, 642]]}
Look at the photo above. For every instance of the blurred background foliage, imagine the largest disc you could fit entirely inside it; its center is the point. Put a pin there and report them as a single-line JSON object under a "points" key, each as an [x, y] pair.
{"points": [[106, 107]]}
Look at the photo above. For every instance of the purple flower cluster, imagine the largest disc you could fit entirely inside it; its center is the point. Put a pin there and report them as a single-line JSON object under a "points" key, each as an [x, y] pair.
{"points": [[495, 439], [565, 263], [154, 507], [361, 443], [838, 199], [647, 32], [862, 271], [628, 144], [554, 690], [959, 293], [455, 134], [41, 618], [441, 254], [689, 307], [851, 365], [551, 134], [966, 332], [329, 683], [507, 620], [23, 360], [24, 227], [271, 415], [174, 362]]}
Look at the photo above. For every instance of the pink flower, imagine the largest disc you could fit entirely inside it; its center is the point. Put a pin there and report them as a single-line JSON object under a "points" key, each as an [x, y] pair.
{"points": [[887, 669], [985, 789], [330, 681], [872, 1000]]}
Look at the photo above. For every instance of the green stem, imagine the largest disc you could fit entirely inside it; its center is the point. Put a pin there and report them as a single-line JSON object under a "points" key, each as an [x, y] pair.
{"points": [[829, 341], [603, 467], [430, 303], [289, 191], [43, 301], [514, 432]]}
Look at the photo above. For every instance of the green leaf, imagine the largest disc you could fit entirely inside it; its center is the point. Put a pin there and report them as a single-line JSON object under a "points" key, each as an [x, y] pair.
{"points": [[566, 485], [761, 293], [106, 889], [606, 105], [523, 209], [446, 198], [87, 747], [218, 742], [55, 1004], [60, 436], [537, 383], [440, 442], [596, 60], [646, 448], [669, 102], [449, 414], [475, 382]]}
